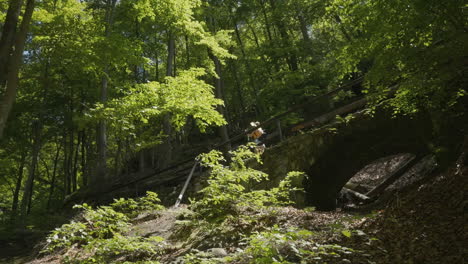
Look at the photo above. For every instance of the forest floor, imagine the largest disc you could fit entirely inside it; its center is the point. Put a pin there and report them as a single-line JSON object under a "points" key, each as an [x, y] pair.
{"points": [[418, 220]]}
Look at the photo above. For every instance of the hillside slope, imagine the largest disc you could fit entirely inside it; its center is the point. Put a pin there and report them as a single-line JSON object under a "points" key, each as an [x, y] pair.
{"points": [[417, 222]]}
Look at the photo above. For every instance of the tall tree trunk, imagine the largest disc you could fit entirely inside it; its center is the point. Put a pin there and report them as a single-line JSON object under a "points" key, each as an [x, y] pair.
{"points": [[102, 140], [141, 160], [222, 130], [240, 109], [73, 148], [75, 164], [54, 174], [157, 66], [29, 185], [84, 163], [165, 156], [90, 161], [100, 179], [259, 105], [8, 36], [238, 86], [291, 57], [342, 28], [187, 51], [19, 182], [117, 158], [66, 162], [267, 23], [303, 25], [14, 63]]}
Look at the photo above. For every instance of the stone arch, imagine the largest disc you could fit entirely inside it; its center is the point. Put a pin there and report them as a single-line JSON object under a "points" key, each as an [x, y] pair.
{"points": [[354, 147]]}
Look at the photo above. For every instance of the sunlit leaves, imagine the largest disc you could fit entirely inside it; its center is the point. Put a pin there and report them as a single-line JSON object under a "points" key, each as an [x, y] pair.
{"points": [[182, 96], [409, 42]]}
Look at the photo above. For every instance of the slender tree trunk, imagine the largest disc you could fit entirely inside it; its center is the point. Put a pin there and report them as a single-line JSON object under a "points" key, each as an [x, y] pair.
{"points": [[54, 174], [90, 161], [66, 162], [241, 105], [73, 148], [267, 24], [8, 98], [75, 164], [101, 170], [166, 147], [19, 182], [264, 59], [29, 185], [303, 25], [84, 163], [102, 140], [117, 158], [174, 58], [291, 57], [238, 86], [141, 160], [157, 66], [254, 34], [258, 103], [127, 156], [187, 51], [222, 130], [342, 28]]}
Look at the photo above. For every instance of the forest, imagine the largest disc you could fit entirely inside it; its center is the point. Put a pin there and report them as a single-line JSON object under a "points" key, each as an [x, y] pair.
{"points": [[106, 106]]}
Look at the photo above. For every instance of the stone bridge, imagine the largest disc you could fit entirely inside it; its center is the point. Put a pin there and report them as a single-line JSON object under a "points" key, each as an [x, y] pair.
{"points": [[332, 154]]}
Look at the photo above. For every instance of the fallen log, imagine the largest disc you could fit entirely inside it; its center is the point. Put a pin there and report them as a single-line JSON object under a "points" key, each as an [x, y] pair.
{"points": [[395, 175], [357, 195]]}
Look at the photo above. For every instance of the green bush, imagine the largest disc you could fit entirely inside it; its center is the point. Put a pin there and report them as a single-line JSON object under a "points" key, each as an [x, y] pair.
{"points": [[229, 187], [290, 246], [125, 249], [276, 246], [100, 233], [132, 208], [100, 223]]}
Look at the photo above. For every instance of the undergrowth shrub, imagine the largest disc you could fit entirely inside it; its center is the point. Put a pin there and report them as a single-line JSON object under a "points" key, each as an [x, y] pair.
{"points": [[229, 188], [229, 206], [277, 245], [100, 232], [125, 249], [100, 223], [132, 208]]}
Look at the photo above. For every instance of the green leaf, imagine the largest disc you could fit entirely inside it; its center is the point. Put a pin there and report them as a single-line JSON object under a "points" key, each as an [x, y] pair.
{"points": [[346, 233]]}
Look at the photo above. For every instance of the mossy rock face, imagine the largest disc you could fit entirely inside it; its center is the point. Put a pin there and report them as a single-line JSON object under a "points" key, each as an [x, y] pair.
{"points": [[332, 154]]}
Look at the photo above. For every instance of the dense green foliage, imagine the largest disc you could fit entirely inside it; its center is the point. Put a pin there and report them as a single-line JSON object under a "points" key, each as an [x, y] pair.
{"points": [[231, 188], [227, 213], [110, 88], [100, 233]]}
